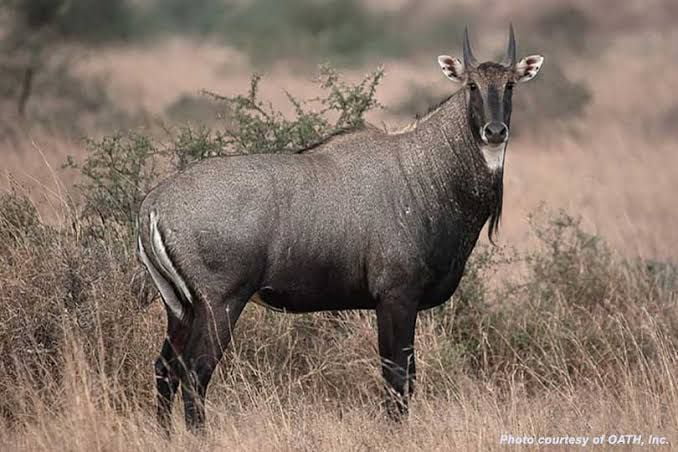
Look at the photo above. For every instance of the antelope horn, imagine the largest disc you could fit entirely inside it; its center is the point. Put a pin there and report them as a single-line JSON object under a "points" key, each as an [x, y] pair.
{"points": [[510, 58], [469, 59]]}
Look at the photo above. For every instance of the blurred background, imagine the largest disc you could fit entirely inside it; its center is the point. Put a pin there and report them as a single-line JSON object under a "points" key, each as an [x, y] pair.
{"points": [[595, 133]]}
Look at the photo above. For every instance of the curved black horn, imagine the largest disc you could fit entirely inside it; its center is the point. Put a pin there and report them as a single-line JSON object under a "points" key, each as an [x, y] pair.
{"points": [[510, 58], [469, 59]]}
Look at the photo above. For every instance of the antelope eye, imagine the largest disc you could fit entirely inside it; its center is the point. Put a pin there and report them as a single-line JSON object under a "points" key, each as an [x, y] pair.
{"points": [[472, 86]]}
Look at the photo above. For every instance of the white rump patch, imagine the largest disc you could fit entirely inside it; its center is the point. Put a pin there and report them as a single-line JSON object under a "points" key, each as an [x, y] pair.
{"points": [[168, 271], [161, 283], [494, 155], [163, 258]]}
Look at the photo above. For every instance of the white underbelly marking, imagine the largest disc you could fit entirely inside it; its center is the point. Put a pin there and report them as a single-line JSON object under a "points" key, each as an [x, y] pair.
{"points": [[256, 299]]}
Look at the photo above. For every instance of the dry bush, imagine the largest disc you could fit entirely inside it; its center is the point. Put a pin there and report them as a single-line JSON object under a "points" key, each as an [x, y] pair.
{"points": [[582, 314], [58, 284]]}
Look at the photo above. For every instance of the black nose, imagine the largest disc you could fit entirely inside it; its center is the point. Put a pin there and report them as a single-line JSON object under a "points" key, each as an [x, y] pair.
{"points": [[496, 132]]}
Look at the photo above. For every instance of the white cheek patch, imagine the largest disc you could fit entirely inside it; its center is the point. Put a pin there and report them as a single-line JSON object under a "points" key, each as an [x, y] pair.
{"points": [[494, 155]]}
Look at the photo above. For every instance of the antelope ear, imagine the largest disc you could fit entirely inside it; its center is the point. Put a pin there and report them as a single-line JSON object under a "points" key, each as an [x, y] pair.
{"points": [[528, 67], [453, 68]]}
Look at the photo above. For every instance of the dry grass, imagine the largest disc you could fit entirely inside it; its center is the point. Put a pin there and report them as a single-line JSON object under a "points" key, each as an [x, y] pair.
{"points": [[474, 418], [585, 345]]}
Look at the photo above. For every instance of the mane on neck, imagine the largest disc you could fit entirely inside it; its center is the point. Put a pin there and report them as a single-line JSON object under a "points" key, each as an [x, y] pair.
{"points": [[431, 111], [449, 117]]}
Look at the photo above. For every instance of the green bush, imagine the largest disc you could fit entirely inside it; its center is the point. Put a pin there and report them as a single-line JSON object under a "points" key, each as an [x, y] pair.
{"points": [[117, 173], [256, 127], [120, 170]]}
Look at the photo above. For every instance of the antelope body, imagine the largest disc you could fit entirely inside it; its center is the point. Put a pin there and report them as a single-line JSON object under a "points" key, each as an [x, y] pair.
{"points": [[365, 220]]}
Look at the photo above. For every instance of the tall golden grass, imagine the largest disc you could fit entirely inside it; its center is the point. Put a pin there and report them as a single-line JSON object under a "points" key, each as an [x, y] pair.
{"points": [[583, 344]]}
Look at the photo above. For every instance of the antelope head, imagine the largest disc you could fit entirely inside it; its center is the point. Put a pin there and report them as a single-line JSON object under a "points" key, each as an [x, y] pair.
{"points": [[489, 89]]}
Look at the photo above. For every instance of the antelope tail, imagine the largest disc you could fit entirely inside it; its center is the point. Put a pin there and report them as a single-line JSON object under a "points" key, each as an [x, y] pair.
{"points": [[173, 288]]}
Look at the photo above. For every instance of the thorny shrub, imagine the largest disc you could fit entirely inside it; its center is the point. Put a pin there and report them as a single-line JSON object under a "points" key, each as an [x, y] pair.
{"points": [[120, 170]]}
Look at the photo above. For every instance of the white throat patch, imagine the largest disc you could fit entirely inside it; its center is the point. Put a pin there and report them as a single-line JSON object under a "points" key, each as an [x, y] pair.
{"points": [[494, 155]]}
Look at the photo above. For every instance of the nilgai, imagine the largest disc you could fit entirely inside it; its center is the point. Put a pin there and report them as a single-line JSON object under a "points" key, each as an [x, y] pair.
{"points": [[364, 220]]}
